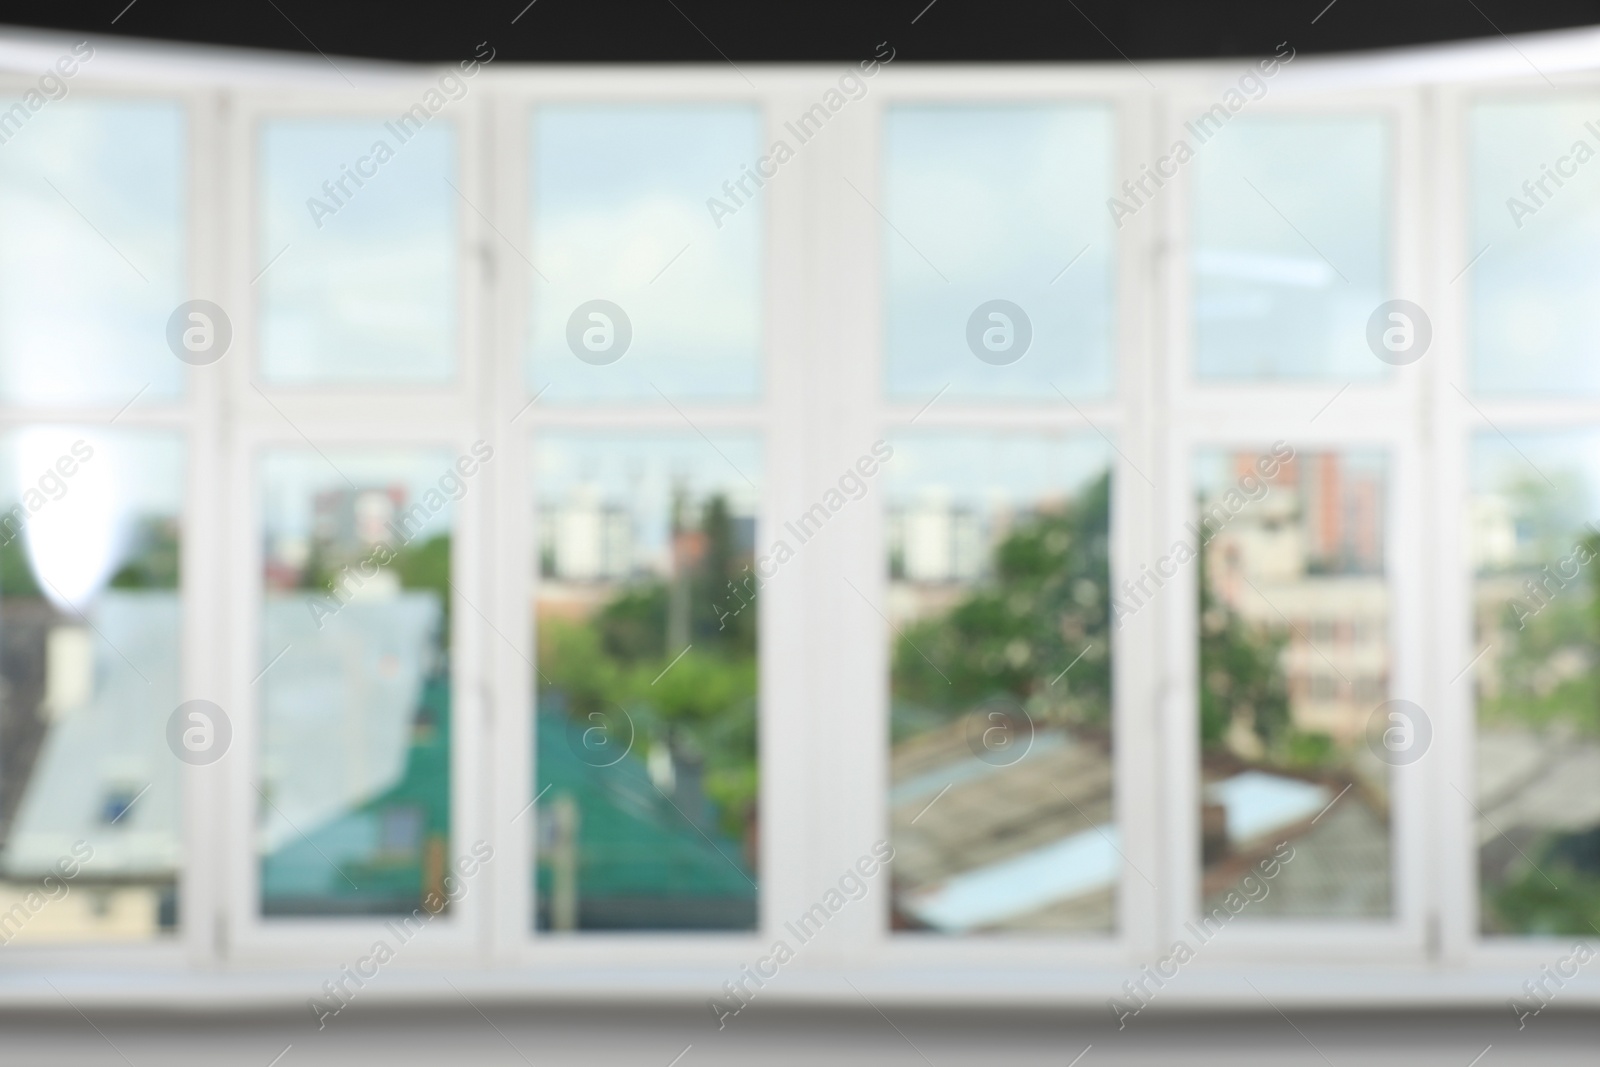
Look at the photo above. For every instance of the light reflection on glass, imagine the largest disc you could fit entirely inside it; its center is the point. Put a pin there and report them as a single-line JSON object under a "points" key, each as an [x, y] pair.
{"points": [[1290, 246], [90, 796]]}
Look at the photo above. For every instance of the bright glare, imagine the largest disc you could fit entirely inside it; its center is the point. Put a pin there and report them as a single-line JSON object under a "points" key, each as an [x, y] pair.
{"points": [[75, 524]]}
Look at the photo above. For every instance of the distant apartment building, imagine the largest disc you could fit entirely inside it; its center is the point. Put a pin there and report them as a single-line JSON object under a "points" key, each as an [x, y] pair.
{"points": [[937, 549], [1311, 552], [936, 540], [587, 538], [345, 523]]}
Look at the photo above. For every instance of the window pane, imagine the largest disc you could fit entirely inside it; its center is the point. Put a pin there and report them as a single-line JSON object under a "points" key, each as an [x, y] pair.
{"points": [[1290, 246], [1000, 801], [646, 708], [355, 662], [1534, 288], [90, 793], [1294, 673], [622, 217], [356, 255], [991, 203], [1535, 501], [93, 262]]}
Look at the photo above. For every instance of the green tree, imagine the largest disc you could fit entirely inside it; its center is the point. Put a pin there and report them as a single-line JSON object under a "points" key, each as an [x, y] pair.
{"points": [[1240, 671], [1045, 603], [427, 566], [16, 575], [705, 705], [153, 562], [1542, 646]]}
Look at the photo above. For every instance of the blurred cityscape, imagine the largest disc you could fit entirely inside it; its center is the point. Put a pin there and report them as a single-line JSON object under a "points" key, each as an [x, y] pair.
{"points": [[1000, 760], [1537, 627], [355, 761], [1294, 660], [646, 724], [84, 702], [646, 740]]}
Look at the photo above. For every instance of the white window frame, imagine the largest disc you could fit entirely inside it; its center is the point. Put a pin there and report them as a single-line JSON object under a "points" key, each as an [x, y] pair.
{"points": [[1319, 414], [861, 639], [190, 417], [777, 428], [1457, 422], [447, 418], [823, 655]]}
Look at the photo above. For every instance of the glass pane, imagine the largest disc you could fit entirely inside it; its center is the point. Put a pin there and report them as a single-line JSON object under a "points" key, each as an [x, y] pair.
{"points": [[92, 205], [90, 795], [1290, 245], [1294, 680], [1000, 797], [1536, 209], [356, 254], [1535, 501], [646, 708], [355, 682], [990, 204], [639, 218]]}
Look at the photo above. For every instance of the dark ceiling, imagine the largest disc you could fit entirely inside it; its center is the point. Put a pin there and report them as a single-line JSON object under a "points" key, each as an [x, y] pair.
{"points": [[802, 31]]}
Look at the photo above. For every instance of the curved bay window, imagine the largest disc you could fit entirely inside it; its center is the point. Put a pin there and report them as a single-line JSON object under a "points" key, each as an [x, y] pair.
{"points": [[537, 549]]}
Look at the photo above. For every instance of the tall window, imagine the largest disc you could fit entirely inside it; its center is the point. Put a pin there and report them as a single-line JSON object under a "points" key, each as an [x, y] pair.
{"points": [[356, 706], [1294, 661], [646, 605], [1000, 715], [998, 286], [348, 379], [91, 507], [1530, 512]]}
